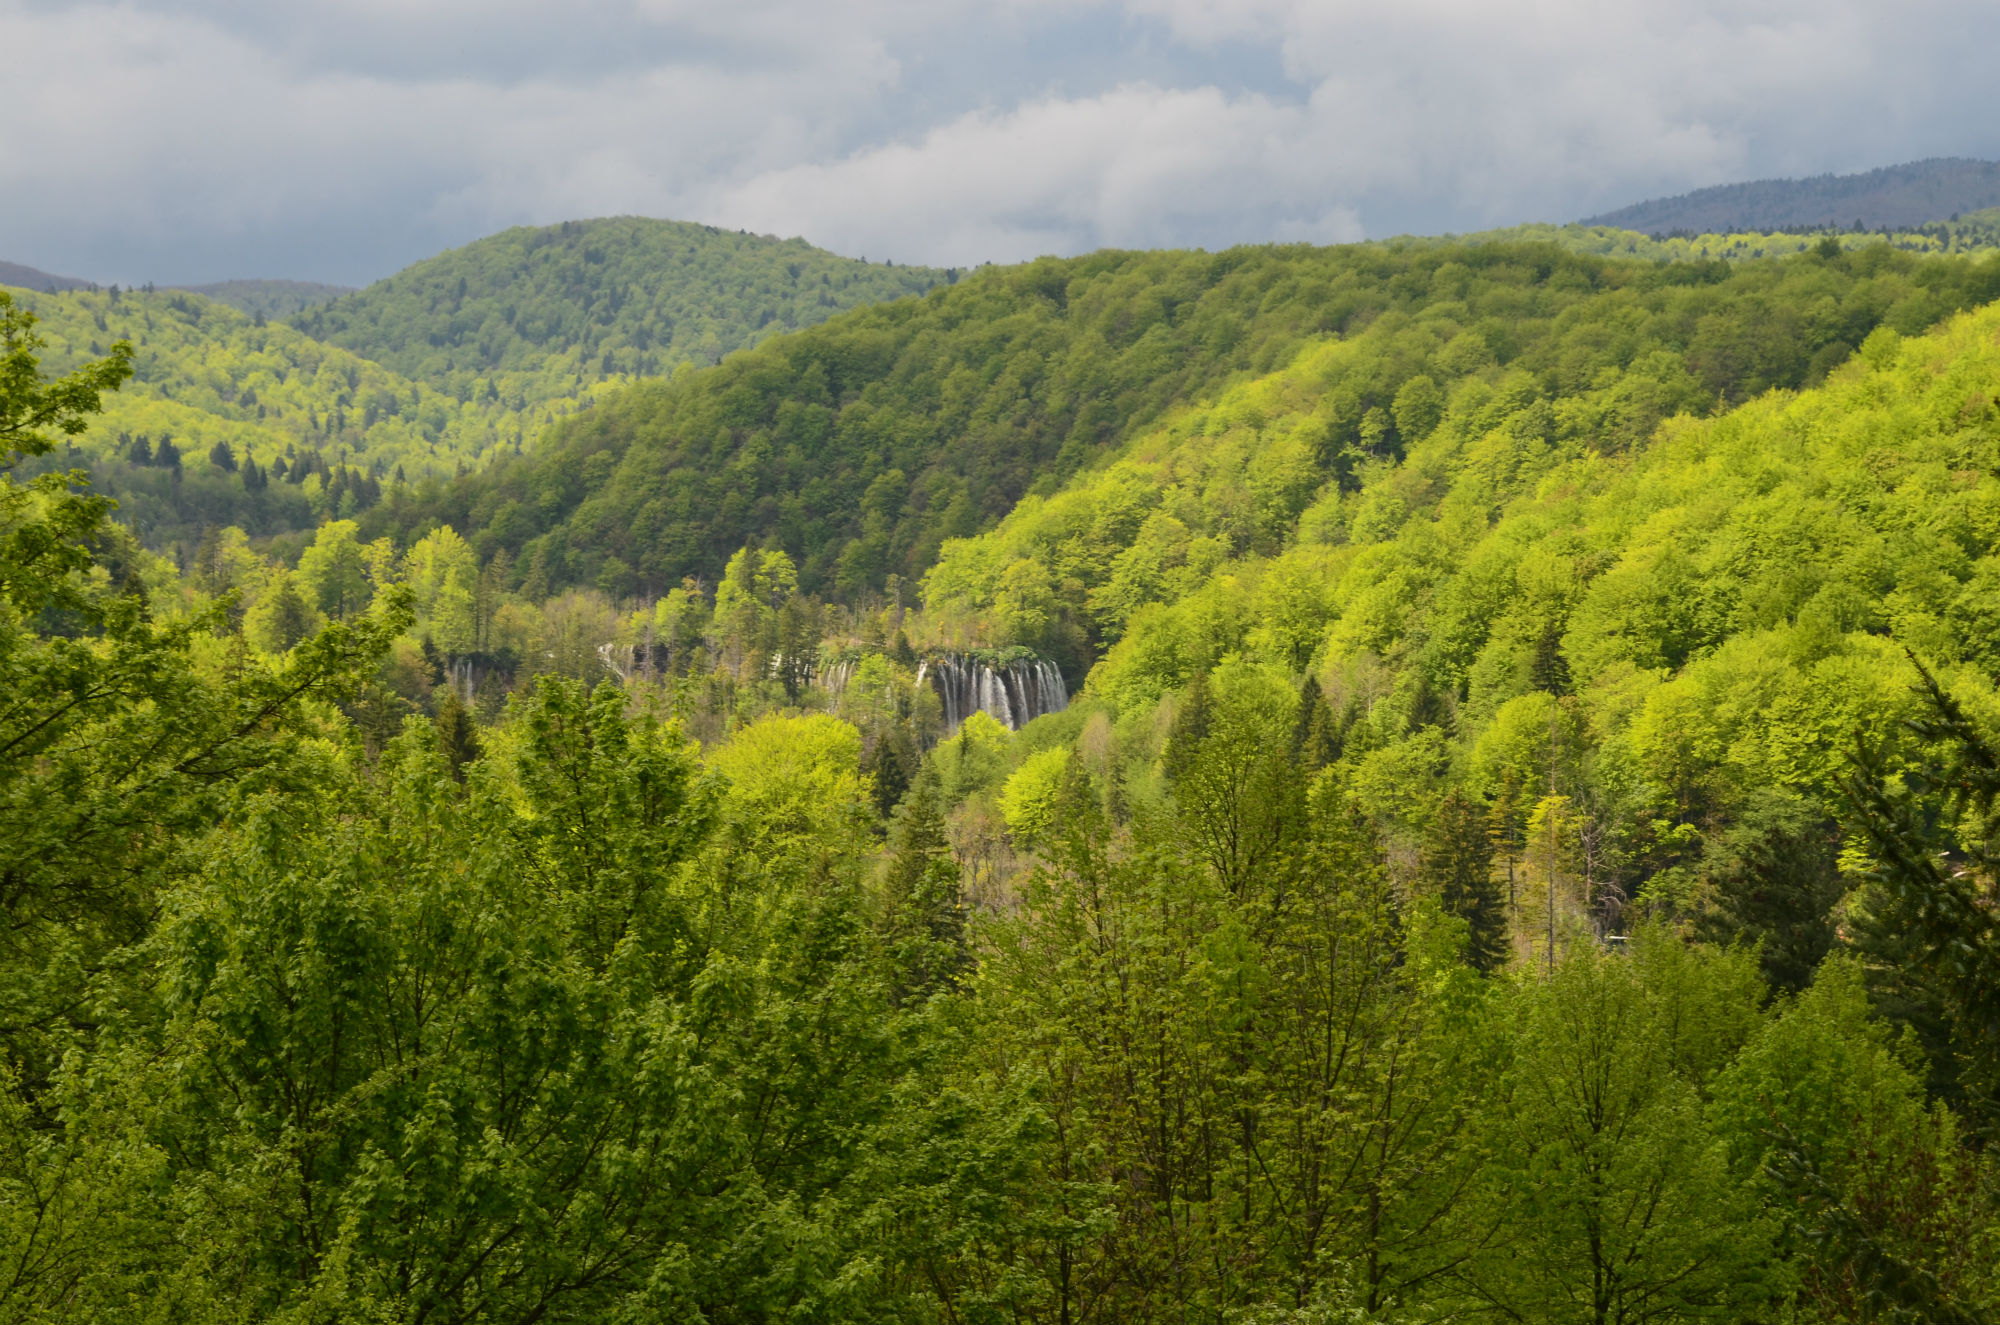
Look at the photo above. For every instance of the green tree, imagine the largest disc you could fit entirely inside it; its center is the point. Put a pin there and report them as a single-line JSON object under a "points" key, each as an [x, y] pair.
{"points": [[1773, 879], [458, 735], [1239, 794], [335, 570], [1933, 920], [924, 915], [1458, 868], [281, 617], [1616, 1201]]}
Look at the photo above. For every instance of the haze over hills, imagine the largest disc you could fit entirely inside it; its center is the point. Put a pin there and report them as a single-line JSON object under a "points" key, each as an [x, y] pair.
{"points": [[268, 298], [1896, 197]]}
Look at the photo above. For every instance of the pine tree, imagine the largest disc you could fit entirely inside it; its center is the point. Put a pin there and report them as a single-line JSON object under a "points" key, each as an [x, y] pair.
{"points": [[1190, 728], [1549, 669], [1316, 736], [1458, 865], [888, 764], [925, 913], [456, 733]]}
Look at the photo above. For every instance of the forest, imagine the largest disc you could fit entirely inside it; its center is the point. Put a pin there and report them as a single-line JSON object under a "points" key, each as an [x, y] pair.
{"points": [[1434, 781], [430, 373]]}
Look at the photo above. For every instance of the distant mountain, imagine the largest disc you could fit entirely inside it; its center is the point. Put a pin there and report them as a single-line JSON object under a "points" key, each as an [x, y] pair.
{"points": [[537, 313], [30, 278], [269, 298], [1892, 198]]}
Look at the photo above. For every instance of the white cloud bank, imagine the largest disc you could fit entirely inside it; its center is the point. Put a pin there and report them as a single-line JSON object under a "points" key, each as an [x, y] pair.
{"points": [[339, 139]]}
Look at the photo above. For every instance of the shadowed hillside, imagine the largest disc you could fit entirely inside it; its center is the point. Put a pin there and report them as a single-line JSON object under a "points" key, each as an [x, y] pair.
{"points": [[1892, 198]]}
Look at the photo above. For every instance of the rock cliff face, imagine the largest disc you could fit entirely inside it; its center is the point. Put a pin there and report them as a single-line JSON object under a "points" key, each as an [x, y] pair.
{"points": [[1015, 693]]}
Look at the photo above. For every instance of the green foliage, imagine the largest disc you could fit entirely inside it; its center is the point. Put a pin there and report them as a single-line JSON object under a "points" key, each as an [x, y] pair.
{"points": [[861, 445], [924, 911], [311, 432], [338, 984], [1667, 613], [1615, 1202], [1458, 865], [1774, 880], [537, 312], [1929, 920]]}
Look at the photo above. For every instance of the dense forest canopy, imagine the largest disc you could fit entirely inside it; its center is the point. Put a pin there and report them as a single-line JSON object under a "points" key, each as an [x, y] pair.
{"points": [[430, 373], [220, 402], [549, 309], [860, 446]]}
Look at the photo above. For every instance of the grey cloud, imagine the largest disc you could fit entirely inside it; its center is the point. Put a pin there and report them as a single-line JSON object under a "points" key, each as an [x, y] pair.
{"points": [[339, 139]]}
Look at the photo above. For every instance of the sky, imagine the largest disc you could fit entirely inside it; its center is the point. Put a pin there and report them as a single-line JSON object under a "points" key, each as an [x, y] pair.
{"points": [[182, 141]]}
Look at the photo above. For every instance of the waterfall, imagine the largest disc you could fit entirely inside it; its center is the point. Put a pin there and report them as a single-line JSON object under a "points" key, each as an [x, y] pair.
{"points": [[835, 678], [1015, 693]]}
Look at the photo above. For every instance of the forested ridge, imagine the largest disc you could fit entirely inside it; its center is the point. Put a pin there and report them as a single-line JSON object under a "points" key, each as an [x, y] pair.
{"points": [[1897, 197], [1515, 849], [861, 445], [544, 310]]}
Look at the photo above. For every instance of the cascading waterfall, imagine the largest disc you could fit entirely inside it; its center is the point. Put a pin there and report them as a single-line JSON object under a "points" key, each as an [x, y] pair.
{"points": [[1016, 693], [835, 677]]}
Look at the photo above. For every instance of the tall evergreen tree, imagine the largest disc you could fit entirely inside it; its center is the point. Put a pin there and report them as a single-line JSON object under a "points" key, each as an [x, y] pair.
{"points": [[1458, 866], [925, 911], [888, 765], [1316, 735], [1931, 921], [458, 735]]}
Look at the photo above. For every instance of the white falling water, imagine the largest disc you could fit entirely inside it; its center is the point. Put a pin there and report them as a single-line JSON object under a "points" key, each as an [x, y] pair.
{"points": [[1016, 694], [835, 678]]}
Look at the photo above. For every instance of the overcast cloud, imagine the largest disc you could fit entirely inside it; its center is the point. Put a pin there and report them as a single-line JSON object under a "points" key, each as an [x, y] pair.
{"points": [[341, 139]]}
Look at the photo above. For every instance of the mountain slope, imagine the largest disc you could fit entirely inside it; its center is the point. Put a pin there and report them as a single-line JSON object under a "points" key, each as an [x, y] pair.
{"points": [[1685, 615], [861, 445], [539, 312], [206, 375], [1893, 198], [30, 278]]}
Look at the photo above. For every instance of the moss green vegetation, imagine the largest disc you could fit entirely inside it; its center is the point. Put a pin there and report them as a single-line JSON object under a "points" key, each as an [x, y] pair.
{"points": [[536, 314]]}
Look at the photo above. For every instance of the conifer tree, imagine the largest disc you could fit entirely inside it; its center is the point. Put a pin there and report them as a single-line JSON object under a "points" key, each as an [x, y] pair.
{"points": [[1316, 736], [888, 764], [1458, 865], [925, 913], [457, 734]]}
